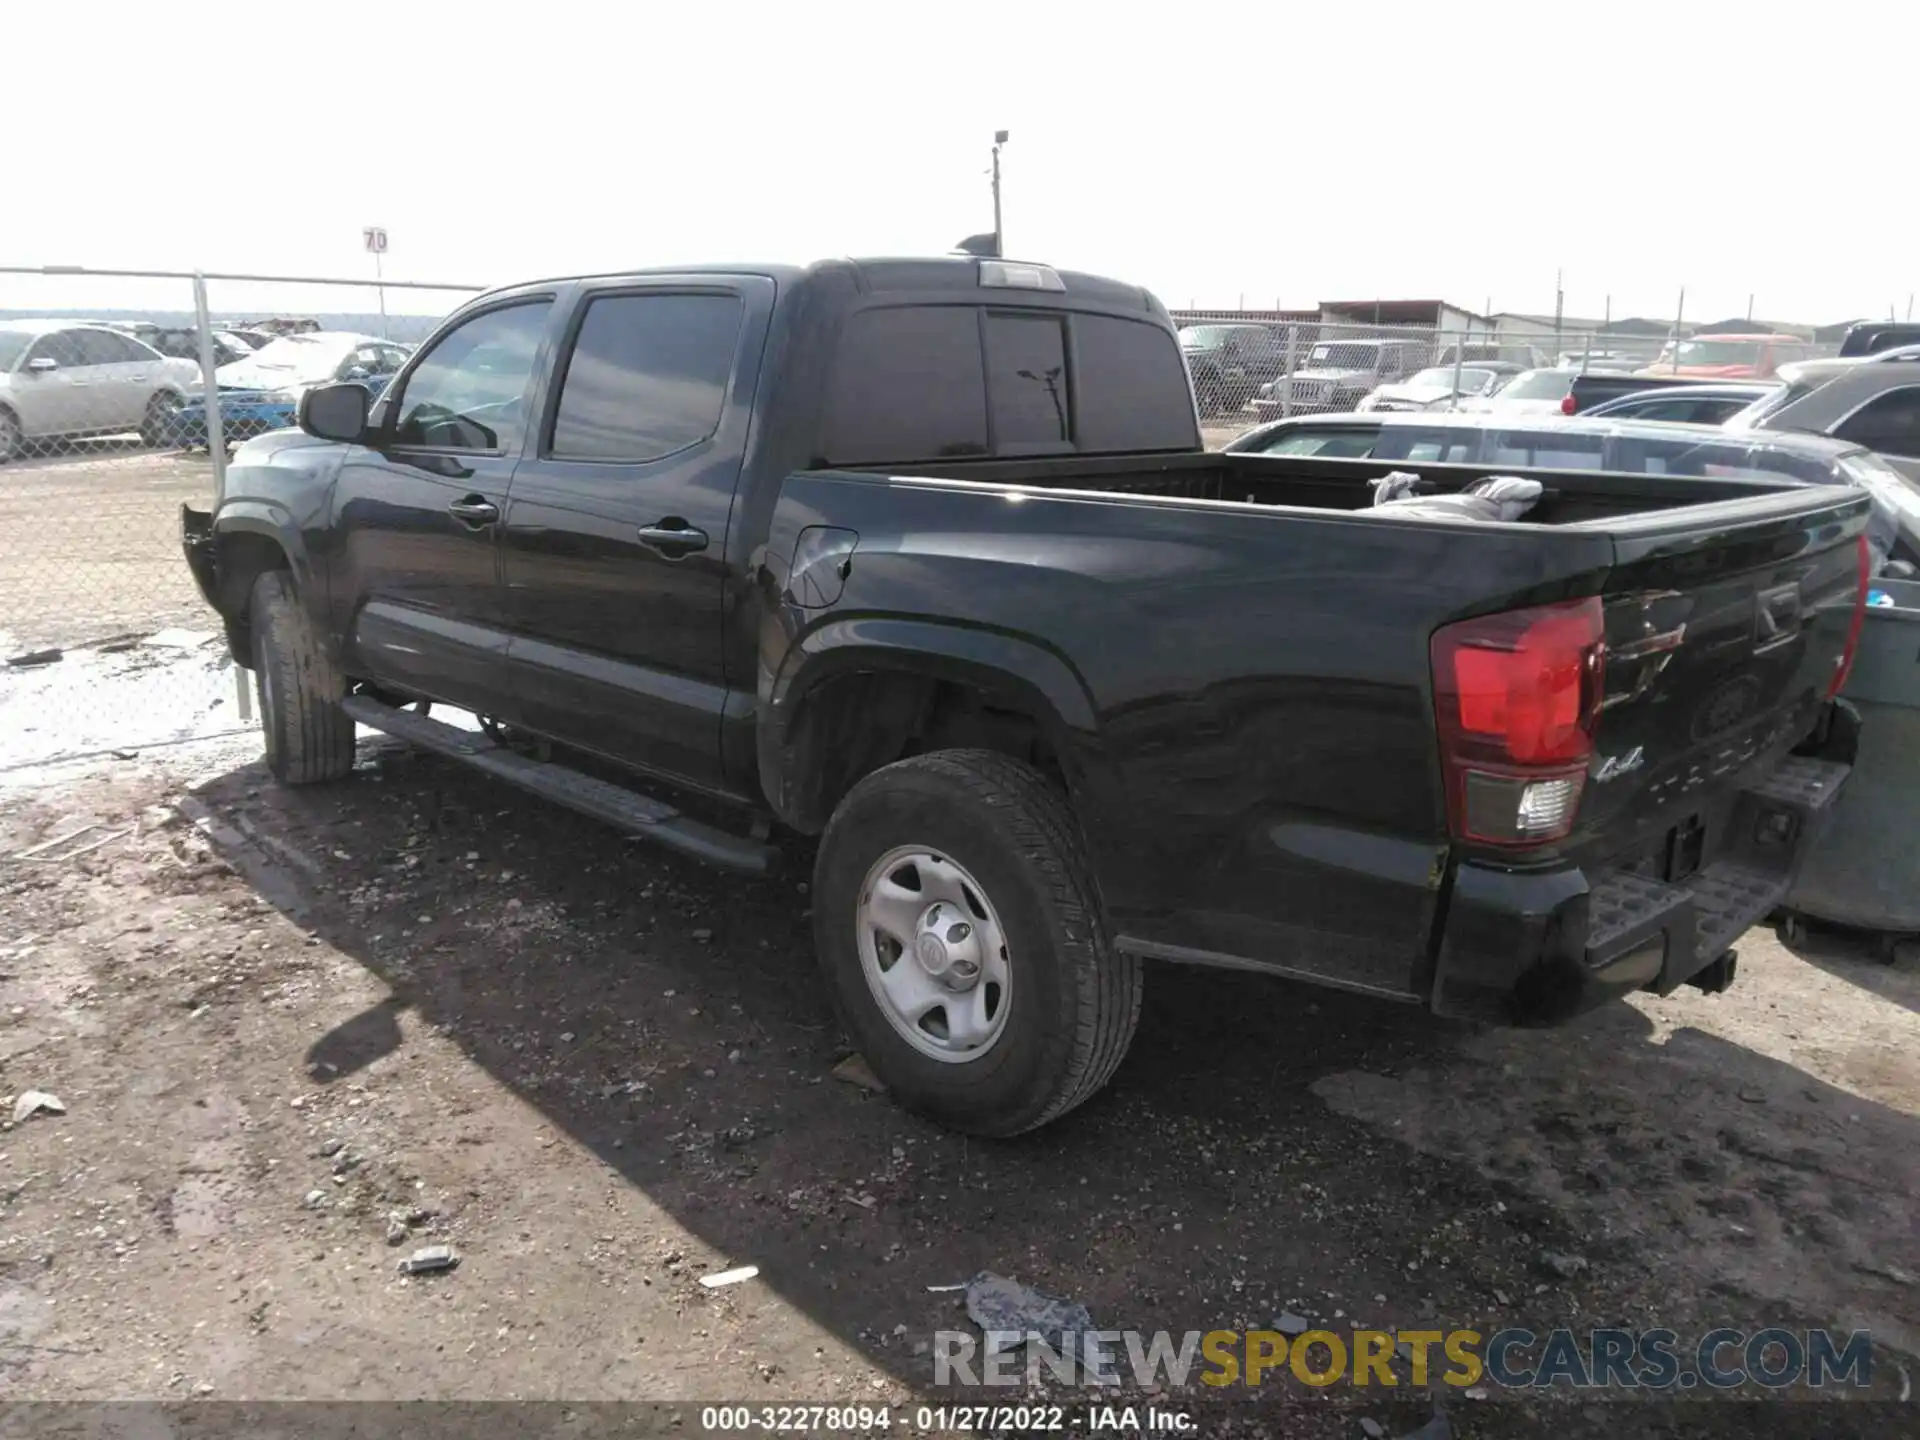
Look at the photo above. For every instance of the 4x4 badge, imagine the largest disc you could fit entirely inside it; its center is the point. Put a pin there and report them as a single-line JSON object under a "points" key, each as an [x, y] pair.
{"points": [[1615, 766]]}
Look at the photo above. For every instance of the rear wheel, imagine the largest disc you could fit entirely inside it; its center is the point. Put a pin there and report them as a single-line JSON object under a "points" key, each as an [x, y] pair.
{"points": [[160, 428], [309, 737], [956, 920]]}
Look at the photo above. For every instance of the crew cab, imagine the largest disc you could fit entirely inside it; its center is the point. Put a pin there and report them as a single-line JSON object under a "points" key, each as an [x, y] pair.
{"points": [[924, 558]]}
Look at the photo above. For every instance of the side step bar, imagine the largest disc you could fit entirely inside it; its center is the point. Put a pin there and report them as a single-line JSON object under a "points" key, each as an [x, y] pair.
{"points": [[627, 810]]}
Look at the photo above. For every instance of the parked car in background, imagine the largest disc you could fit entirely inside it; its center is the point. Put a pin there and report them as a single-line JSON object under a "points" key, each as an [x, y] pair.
{"points": [[1229, 363], [1732, 357], [1686, 404], [1870, 337], [260, 392], [1619, 360], [1338, 374], [61, 380], [1864, 400], [1440, 386], [1600, 387], [1531, 392], [1519, 355]]}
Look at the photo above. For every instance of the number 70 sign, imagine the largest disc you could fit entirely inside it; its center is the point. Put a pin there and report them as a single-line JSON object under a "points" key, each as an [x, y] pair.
{"points": [[376, 239]]}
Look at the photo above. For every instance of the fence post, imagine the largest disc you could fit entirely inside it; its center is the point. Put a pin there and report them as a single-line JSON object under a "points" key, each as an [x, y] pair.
{"points": [[1286, 381], [216, 447]]}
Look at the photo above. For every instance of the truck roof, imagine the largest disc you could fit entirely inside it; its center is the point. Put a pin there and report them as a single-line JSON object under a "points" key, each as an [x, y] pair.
{"points": [[886, 273]]}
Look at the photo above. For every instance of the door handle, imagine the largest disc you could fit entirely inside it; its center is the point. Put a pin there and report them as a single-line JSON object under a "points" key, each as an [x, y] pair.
{"points": [[475, 510], [673, 538]]}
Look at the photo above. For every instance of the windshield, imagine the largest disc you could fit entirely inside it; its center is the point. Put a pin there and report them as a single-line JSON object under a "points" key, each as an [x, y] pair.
{"points": [[13, 344], [1343, 357], [1718, 352], [296, 358], [1538, 385], [1472, 381]]}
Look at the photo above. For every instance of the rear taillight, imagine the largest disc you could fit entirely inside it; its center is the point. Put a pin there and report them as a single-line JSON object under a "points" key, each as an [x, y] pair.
{"points": [[1845, 667], [1516, 697], [1566, 404]]}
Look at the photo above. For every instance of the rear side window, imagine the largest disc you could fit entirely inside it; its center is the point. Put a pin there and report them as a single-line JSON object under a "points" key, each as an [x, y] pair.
{"points": [[908, 385], [647, 376], [1889, 423], [918, 383]]}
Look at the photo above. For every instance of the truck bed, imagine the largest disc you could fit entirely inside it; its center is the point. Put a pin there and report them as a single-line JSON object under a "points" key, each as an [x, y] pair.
{"points": [[1570, 497]]}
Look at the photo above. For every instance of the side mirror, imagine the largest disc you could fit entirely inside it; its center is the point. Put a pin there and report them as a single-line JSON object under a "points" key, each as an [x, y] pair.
{"points": [[334, 412], [42, 365]]}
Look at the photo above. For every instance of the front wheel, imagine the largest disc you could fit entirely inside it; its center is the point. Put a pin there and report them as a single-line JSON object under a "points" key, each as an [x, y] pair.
{"points": [[956, 920], [160, 427], [9, 435], [309, 736]]}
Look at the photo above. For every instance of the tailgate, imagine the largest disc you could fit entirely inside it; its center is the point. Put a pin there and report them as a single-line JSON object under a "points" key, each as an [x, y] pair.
{"points": [[1725, 631]]}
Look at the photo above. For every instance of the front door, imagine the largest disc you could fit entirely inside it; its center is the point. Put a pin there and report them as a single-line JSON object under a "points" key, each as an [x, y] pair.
{"points": [[615, 551], [414, 578], [50, 386]]}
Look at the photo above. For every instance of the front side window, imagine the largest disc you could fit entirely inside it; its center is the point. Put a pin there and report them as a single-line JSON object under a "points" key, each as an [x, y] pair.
{"points": [[62, 347], [1889, 423], [469, 392], [647, 377]]}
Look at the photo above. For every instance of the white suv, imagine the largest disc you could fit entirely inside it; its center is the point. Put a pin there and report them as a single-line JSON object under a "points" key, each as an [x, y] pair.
{"points": [[65, 378]]}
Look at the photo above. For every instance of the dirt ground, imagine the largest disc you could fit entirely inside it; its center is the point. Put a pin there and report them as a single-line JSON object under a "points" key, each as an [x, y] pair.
{"points": [[299, 1034]]}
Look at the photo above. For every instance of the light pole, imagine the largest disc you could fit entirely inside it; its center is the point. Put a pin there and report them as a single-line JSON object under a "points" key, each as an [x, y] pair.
{"points": [[999, 240]]}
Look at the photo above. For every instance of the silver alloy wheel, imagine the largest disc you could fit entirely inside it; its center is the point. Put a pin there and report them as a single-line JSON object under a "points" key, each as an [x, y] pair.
{"points": [[934, 954]]}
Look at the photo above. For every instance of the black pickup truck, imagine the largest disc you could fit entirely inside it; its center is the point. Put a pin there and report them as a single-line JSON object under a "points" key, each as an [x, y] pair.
{"points": [[924, 558]]}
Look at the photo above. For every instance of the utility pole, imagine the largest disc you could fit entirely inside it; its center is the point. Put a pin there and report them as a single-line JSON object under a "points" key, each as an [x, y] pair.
{"points": [[999, 236], [1559, 304], [1679, 317]]}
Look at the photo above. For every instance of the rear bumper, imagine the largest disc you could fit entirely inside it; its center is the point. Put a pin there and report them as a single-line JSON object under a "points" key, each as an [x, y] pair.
{"points": [[1545, 945]]}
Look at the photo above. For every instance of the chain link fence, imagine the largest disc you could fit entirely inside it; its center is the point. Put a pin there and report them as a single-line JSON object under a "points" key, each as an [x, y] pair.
{"points": [[114, 389], [1252, 367]]}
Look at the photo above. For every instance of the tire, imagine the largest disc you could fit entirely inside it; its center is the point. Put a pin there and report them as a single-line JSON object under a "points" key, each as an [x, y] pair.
{"points": [[1070, 1001], [159, 429], [309, 737], [9, 435]]}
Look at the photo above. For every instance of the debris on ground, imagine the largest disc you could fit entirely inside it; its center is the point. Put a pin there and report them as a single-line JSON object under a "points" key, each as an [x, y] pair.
{"points": [[1008, 1312], [855, 1071], [1372, 1428], [429, 1259], [397, 1231], [1565, 1266], [1438, 1428], [36, 1102], [34, 657], [1291, 1325], [730, 1277]]}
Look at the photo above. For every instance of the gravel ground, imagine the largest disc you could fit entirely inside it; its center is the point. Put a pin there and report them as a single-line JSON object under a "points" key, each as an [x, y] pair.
{"points": [[300, 1034]]}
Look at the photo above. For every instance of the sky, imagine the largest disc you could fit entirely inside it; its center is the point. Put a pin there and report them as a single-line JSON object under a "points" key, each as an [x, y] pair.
{"points": [[1272, 153]]}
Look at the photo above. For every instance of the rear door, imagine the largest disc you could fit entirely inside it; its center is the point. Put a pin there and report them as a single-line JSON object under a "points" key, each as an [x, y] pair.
{"points": [[122, 374], [614, 550], [414, 578]]}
